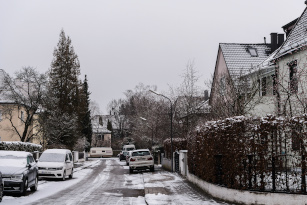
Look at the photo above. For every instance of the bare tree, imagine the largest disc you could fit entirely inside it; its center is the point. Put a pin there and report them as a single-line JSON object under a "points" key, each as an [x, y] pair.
{"points": [[26, 92], [236, 95], [188, 101], [291, 85]]}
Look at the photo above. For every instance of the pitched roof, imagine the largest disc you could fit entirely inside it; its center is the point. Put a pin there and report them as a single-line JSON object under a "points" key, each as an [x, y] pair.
{"points": [[240, 60], [297, 37]]}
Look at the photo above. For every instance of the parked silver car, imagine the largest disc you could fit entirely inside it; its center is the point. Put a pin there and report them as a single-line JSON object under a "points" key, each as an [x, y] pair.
{"points": [[19, 171], [141, 159]]}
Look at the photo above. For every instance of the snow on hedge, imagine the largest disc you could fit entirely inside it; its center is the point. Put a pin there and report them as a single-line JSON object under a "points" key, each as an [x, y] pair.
{"points": [[20, 146]]}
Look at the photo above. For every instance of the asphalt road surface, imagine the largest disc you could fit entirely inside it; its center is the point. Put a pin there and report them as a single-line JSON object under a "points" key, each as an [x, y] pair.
{"points": [[110, 183]]}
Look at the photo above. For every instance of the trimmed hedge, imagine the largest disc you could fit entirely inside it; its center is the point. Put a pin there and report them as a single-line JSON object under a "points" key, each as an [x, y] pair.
{"points": [[20, 146], [266, 154]]}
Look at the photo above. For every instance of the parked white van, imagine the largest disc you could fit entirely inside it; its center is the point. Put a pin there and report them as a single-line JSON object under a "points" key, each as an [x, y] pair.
{"points": [[56, 163], [101, 152], [128, 147]]}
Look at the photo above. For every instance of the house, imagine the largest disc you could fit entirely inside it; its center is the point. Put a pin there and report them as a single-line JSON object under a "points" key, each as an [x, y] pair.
{"points": [[230, 93], [101, 135], [291, 63], [281, 78]]}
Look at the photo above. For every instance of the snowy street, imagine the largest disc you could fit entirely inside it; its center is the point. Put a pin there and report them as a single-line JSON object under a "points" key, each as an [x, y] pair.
{"points": [[107, 181]]}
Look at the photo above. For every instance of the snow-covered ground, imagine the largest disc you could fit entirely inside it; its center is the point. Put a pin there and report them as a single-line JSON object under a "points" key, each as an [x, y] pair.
{"points": [[49, 187], [164, 188], [108, 181]]}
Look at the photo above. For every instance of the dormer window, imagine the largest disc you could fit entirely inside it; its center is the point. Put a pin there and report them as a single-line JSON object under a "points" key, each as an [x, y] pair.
{"points": [[252, 52]]}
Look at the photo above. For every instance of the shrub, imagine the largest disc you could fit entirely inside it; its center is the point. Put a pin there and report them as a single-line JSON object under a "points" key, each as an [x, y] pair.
{"points": [[20, 146]]}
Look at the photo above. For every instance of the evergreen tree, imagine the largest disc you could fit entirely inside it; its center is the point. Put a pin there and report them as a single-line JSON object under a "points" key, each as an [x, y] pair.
{"points": [[85, 116], [109, 126], [64, 73], [64, 86]]}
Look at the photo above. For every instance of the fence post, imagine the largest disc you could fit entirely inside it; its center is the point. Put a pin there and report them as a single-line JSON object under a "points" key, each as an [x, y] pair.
{"points": [[303, 183], [250, 159], [273, 174]]}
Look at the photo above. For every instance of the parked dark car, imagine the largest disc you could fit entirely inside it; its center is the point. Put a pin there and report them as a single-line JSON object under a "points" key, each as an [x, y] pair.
{"points": [[122, 155], [19, 171], [1, 187]]}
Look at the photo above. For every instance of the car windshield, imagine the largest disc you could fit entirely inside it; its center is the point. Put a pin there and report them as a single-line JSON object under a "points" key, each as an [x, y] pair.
{"points": [[141, 153], [129, 148], [13, 161], [52, 157]]}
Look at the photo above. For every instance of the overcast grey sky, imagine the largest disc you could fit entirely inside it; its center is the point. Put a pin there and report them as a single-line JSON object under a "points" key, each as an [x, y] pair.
{"points": [[121, 43]]}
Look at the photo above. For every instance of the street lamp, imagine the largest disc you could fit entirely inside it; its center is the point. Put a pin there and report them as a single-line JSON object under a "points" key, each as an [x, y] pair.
{"points": [[171, 104], [144, 119]]}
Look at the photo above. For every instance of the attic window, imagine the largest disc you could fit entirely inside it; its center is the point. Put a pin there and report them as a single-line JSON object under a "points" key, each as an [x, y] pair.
{"points": [[253, 52]]}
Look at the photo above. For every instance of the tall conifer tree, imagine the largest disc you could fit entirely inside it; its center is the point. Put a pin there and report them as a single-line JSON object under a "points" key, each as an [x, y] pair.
{"points": [[63, 107], [85, 115]]}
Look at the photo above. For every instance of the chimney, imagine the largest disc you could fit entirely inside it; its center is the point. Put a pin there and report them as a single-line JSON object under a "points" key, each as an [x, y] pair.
{"points": [[281, 39], [273, 42], [206, 95]]}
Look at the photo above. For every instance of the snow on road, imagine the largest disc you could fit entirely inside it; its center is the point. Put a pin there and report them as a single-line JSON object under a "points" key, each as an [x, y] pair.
{"points": [[165, 188], [50, 187], [108, 181]]}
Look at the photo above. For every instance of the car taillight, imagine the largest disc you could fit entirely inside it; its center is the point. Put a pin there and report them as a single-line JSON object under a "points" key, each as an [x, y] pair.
{"points": [[131, 160], [150, 158]]}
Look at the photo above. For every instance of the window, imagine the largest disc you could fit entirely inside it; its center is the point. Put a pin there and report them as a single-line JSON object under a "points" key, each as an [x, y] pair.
{"points": [[263, 86], [293, 76], [100, 137], [21, 116], [70, 156], [252, 51], [296, 141], [100, 121]]}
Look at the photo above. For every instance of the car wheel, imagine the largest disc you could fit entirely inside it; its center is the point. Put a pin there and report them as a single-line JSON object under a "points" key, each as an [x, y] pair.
{"points": [[130, 170], [25, 187], [72, 173], [1, 192], [34, 188], [64, 176], [152, 169]]}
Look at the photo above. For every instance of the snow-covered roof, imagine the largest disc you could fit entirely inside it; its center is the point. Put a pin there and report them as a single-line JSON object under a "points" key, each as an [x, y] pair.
{"points": [[239, 58], [97, 128], [297, 37], [14, 153]]}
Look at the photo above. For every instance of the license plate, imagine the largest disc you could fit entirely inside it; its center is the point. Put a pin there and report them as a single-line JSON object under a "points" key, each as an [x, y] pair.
{"points": [[44, 172]]}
